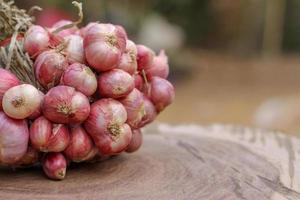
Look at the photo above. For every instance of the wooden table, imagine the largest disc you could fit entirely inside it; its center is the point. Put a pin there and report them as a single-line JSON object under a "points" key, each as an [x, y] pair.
{"points": [[178, 162]]}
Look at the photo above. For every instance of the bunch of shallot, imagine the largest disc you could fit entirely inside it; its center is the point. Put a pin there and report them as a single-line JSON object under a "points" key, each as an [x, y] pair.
{"points": [[98, 89]]}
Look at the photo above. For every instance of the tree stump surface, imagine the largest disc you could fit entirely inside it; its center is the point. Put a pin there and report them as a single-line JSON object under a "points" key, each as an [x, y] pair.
{"points": [[177, 162]]}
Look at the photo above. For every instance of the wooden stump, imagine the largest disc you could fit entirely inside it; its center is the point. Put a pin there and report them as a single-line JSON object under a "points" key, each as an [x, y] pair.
{"points": [[178, 162]]}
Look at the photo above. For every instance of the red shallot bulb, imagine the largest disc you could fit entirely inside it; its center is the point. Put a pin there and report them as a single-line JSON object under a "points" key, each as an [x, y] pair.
{"points": [[92, 154], [106, 125], [49, 66], [138, 82], [48, 137], [161, 93], [104, 45], [150, 112], [115, 83], [81, 77], [159, 66], [36, 40], [144, 57], [65, 32], [136, 141], [74, 49], [63, 104], [14, 136], [80, 145], [55, 166], [7, 80], [128, 61], [30, 158], [38, 111], [21, 101], [134, 105]]}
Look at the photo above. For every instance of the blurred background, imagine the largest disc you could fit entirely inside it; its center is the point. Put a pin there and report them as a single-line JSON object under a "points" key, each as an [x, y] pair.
{"points": [[232, 61]]}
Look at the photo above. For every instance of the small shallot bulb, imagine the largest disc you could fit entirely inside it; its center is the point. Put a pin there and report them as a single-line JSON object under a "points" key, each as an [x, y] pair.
{"points": [[14, 136], [7, 80], [115, 83], [128, 61], [38, 111], [55, 166], [80, 145], [65, 32], [48, 137], [106, 125], [49, 66], [36, 40], [161, 93], [21, 101], [159, 66], [63, 104], [81, 77], [104, 45], [134, 105], [30, 158], [138, 82], [150, 112], [136, 141], [144, 57], [74, 49]]}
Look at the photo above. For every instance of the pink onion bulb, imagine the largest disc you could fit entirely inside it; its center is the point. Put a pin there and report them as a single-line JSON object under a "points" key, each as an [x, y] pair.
{"points": [[138, 82], [14, 136], [91, 155], [49, 66], [104, 45], [115, 83], [144, 57], [38, 111], [150, 112], [128, 61], [65, 32], [136, 141], [161, 93], [21, 101], [36, 40], [48, 137], [134, 105], [30, 158], [63, 104], [7, 80], [106, 125], [80, 145], [81, 77], [55, 166], [159, 66], [74, 50]]}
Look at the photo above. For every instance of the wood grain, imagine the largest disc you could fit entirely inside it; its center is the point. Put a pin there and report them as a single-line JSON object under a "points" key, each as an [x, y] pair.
{"points": [[178, 162]]}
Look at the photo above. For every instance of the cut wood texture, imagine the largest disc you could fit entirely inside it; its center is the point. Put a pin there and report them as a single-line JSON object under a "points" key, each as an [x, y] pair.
{"points": [[177, 162]]}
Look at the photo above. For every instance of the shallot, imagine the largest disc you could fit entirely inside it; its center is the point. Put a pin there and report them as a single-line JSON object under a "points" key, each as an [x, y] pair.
{"points": [[7, 80], [136, 141], [55, 166]]}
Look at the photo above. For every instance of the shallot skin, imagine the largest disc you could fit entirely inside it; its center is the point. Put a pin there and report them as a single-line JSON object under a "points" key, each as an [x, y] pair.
{"points": [[63, 104], [7, 81], [128, 61], [48, 68], [150, 112], [159, 66], [54, 166], [106, 125], [14, 136], [81, 77], [65, 32], [36, 40], [74, 49], [115, 84], [104, 45], [136, 141], [80, 145], [145, 57], [161, 93]]}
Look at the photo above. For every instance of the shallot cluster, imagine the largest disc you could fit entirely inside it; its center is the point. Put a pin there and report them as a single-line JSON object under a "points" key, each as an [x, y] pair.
{"points": [[98, 89]]}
